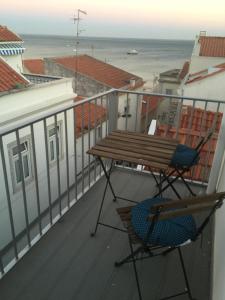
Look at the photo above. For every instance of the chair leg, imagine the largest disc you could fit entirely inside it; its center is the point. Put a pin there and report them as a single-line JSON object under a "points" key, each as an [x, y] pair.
{"points": [[135, 269], [185, 274]]}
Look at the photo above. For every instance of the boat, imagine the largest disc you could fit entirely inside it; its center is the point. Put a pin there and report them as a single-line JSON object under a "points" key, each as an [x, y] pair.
{"points": [[132, 51]]}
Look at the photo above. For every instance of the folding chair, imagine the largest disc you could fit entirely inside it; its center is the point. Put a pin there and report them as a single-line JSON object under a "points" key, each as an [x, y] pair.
{"points": [[182, 161], [158, 226]]}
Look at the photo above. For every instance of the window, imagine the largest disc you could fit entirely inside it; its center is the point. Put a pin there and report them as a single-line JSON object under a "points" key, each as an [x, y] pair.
{"points": [[20, 170], [169, 91], [54, 142]]}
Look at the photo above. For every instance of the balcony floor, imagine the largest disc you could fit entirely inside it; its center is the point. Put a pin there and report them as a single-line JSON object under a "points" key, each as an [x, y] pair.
{"points": [[68, 264]]}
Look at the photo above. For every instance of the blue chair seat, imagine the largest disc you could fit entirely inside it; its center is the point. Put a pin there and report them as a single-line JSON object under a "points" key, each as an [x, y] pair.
{"points": [[184, 157], [171, 232]]}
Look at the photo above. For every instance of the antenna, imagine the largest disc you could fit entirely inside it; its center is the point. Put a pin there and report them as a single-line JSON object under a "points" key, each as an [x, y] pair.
{"points": [[76, 19]]}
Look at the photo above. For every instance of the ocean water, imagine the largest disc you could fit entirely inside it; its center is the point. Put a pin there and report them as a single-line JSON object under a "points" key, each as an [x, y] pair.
{"points": [[154, 56]]}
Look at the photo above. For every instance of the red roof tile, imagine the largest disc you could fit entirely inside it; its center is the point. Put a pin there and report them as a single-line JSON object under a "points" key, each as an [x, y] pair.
{"points": [[8, 36], [99, 71], [150, 103], [9, 78], [184, 70], [34, 66], [205, 73], [212, 46], [90, 113], [202, 121]]}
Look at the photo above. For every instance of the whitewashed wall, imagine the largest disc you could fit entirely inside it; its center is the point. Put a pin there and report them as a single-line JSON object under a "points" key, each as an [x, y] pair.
{"points": [[15, 61]]}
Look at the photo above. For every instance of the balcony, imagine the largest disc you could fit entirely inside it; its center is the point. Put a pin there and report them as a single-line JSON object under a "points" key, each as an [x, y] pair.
{"points": [[49, 206]]}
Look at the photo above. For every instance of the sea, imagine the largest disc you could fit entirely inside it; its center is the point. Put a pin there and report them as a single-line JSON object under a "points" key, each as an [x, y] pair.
{"points": [[154, 55]]}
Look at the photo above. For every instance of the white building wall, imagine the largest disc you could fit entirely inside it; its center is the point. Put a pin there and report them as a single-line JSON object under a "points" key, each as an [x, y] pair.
{"points": [[15, 61], [199, 63], [37, 97], [212, 87]]}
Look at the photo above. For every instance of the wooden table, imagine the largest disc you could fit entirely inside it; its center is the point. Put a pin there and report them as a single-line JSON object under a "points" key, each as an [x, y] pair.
{"points": [[150, 151]]}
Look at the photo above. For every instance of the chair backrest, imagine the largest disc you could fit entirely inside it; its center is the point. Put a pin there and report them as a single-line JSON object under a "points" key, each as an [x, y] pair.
{"points": [[203, 141], [187, 206]]}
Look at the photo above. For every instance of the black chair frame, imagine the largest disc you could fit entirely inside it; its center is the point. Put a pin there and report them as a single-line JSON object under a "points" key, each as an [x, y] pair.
{"points": [[160, 212]]}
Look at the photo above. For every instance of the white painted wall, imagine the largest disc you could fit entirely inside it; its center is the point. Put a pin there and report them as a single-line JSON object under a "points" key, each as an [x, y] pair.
{"points": [[15, 61], [19, 103], [212, 87]]}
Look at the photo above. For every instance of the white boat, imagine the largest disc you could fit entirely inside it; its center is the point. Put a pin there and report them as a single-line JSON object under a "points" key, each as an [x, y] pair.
{"points": [[132, 51]]}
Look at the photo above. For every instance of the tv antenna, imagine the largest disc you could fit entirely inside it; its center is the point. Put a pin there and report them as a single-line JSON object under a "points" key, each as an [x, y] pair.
{"points": [[76, 19]]}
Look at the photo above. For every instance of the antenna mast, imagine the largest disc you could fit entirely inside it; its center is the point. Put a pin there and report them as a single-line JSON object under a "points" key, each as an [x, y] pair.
{"points": [[76, 20]]}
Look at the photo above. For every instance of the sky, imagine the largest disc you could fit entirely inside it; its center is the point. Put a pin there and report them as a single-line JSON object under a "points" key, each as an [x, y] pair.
{"points": [[163, 19]]}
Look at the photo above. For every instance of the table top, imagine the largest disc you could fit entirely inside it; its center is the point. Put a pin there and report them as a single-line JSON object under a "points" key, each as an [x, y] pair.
{"points": [[139, 148]]}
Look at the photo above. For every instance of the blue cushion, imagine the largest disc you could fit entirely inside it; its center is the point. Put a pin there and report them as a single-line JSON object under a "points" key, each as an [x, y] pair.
{"points": [[171, 232], [184, 156]]}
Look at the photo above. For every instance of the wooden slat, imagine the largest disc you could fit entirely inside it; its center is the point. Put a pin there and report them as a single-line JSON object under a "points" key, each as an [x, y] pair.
{"points": [[188, 201], [136, 148], [183, 212], [140, 142], [132, 154], [128, 159], [144, 135]]}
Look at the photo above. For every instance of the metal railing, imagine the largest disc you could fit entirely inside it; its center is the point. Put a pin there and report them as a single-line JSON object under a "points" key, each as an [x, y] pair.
{"points": [[44, 166]]}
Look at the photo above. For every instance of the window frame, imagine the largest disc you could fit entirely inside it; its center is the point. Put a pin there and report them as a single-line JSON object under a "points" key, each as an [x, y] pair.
{"points": [[13, 158], [52, 139]]}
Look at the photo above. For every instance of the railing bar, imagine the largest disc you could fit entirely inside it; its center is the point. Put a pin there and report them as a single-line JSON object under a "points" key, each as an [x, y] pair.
{"points": [[107, 116], [67, 160], [75, 151], [1, 264], [35, 119], [136, 114], [48, 172], [82, 148], [101, 121], [179, 118], [57, 163], [8, 199], [147, 114], [190, 123], [95, 124], [89, 144], [36, 179], [211, 142], [126, 112], [203, 122], [23, 188]]}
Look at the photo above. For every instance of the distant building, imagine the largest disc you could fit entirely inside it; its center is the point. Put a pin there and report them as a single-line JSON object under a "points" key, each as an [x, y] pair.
{"points": [[92, 76], [11, 48], [206, 84], [208, 51]]}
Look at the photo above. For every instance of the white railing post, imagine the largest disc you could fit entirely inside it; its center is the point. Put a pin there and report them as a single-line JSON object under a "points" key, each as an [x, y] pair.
{"points": [[113, 99]]}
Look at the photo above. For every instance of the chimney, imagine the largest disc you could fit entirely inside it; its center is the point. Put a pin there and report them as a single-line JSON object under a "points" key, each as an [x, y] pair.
{"points": [[132, 82]]}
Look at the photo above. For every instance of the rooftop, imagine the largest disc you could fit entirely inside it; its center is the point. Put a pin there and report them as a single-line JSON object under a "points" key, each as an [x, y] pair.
{"points": [[7, 35], [212, 46], [9, 78], [34, 66], [99, 70]]}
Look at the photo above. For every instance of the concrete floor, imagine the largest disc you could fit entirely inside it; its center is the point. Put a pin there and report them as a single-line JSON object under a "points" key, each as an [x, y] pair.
{"points": [[68, 264]]}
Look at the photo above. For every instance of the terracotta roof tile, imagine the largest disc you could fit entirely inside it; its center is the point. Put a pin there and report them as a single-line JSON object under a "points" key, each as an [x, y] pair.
{"points": [[150, 103], [34, 66], [7, 35], [184, 70], [99, 70], [202, 121], [90, 113], [212, 46], [9, 78]]}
